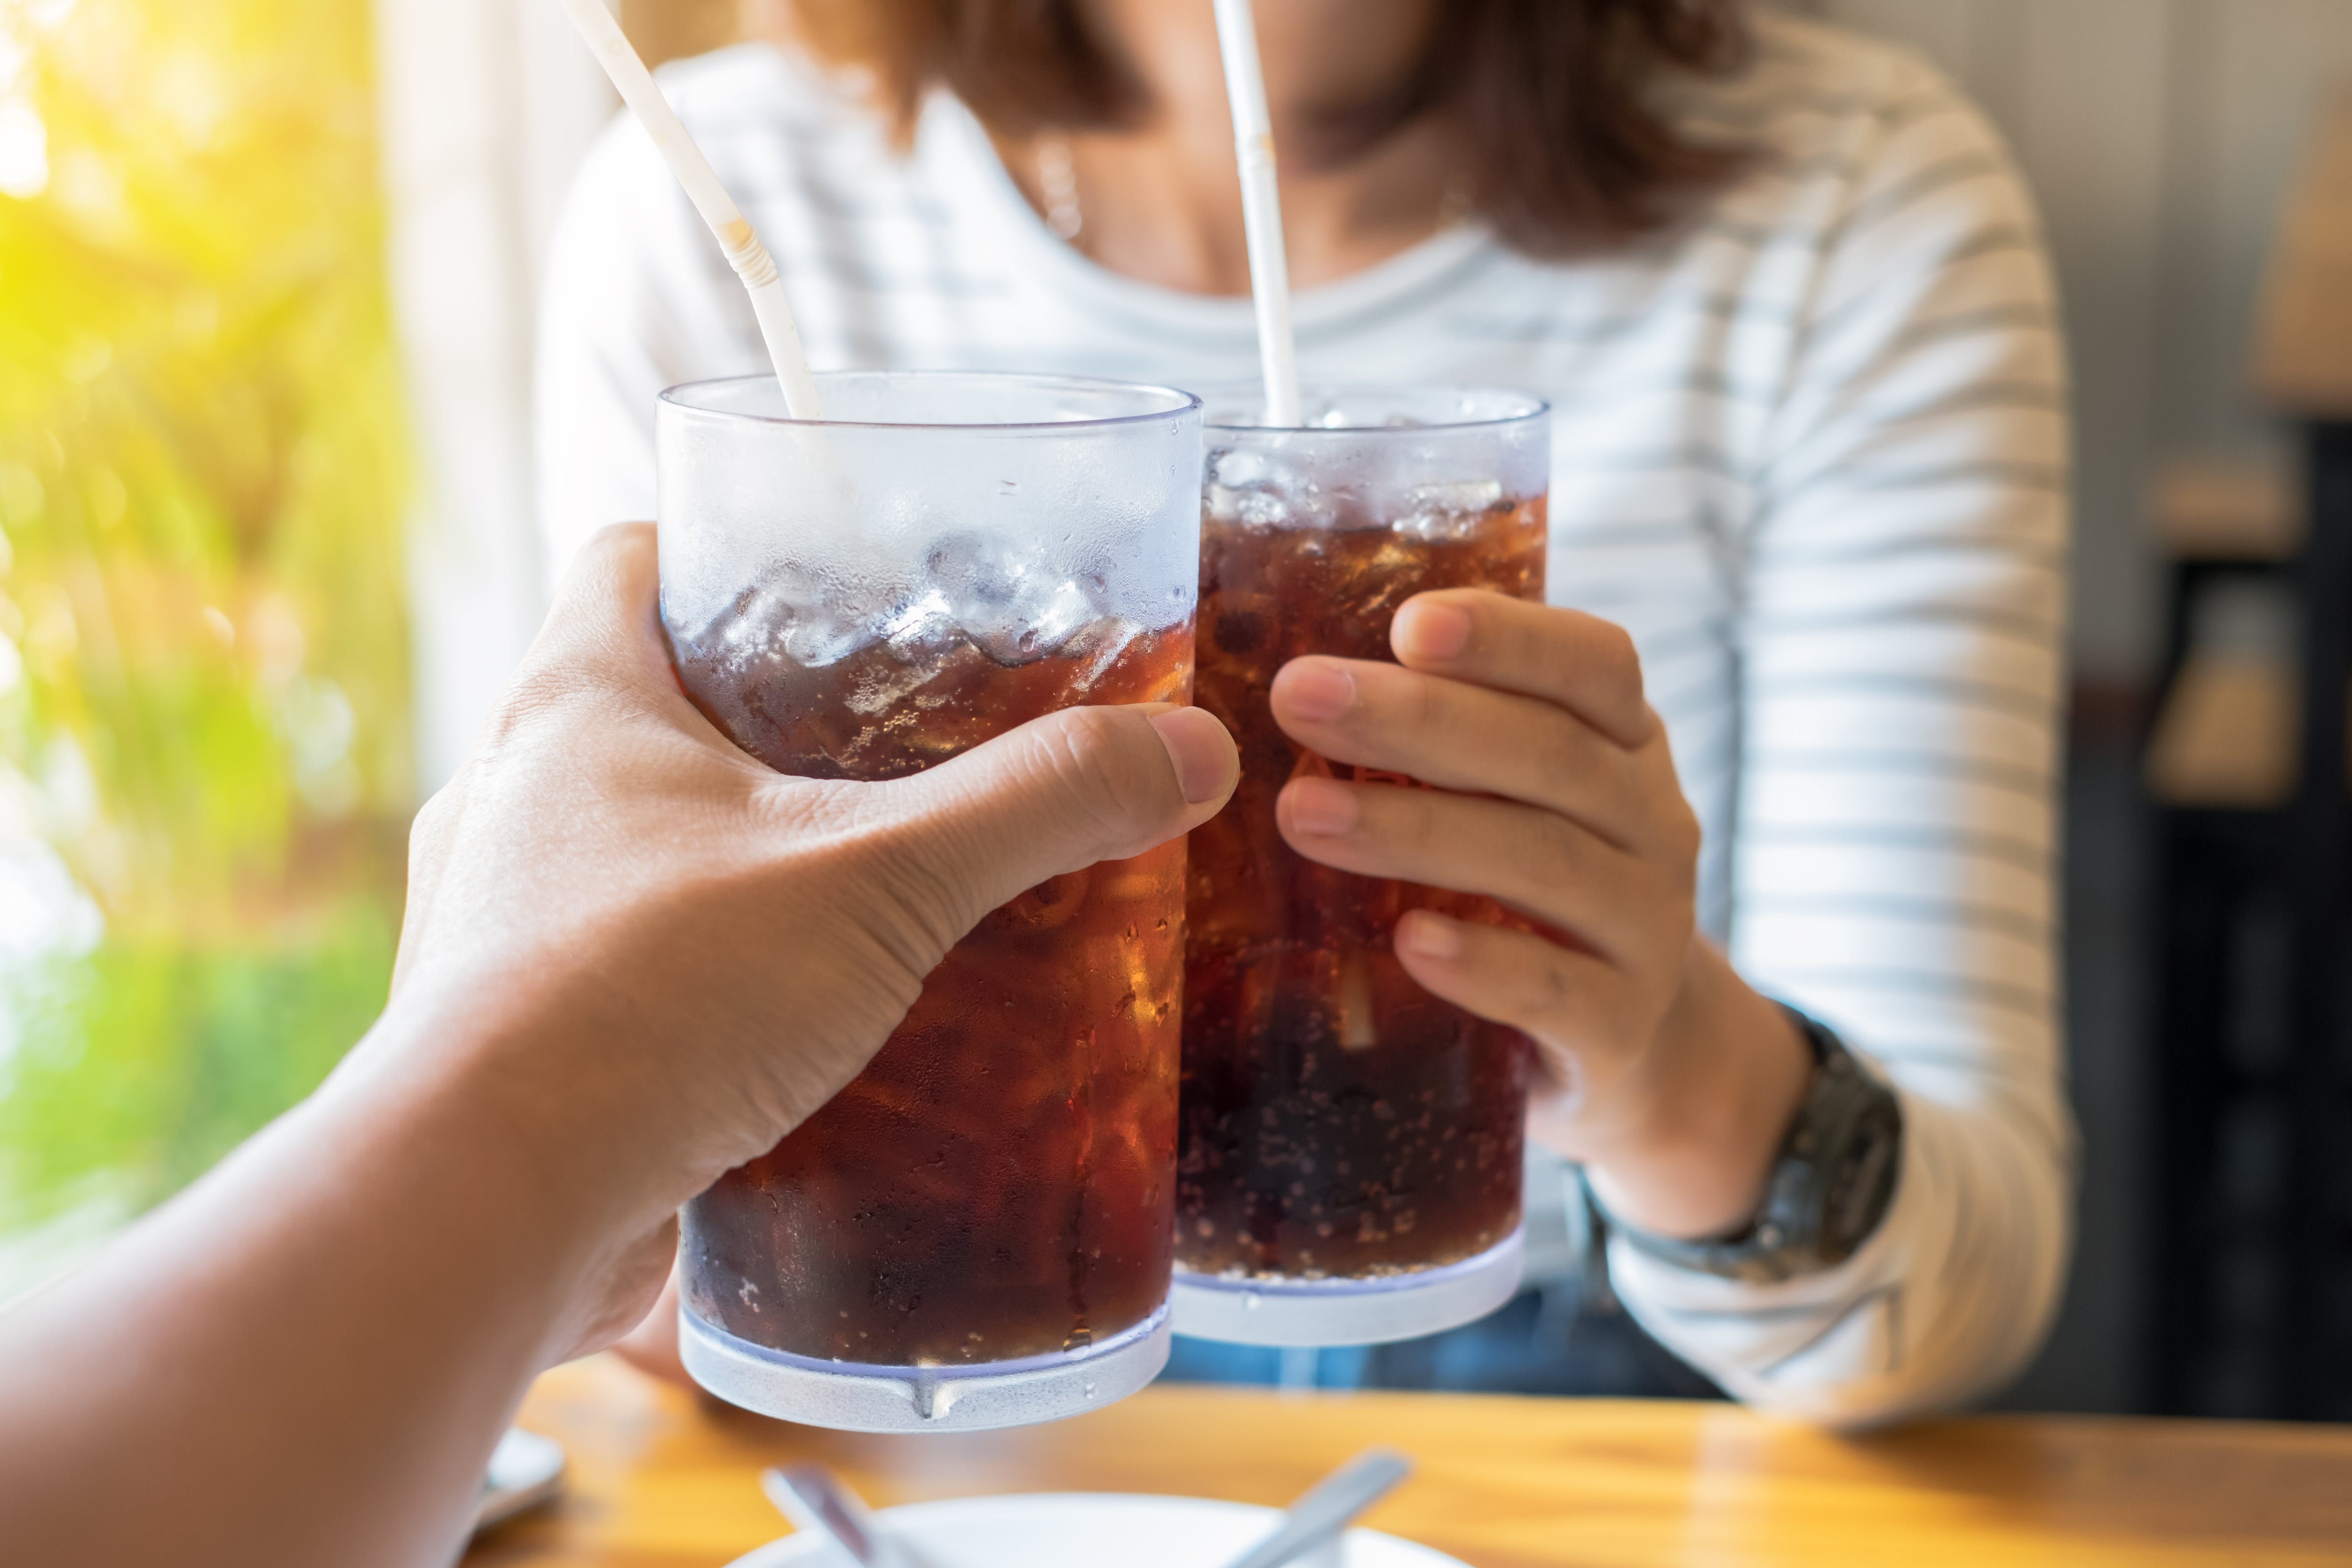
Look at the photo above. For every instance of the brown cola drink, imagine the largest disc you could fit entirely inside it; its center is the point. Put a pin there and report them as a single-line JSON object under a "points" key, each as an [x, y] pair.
{"points": [[1337, 1121], [995, 1184], [978, 1231]]}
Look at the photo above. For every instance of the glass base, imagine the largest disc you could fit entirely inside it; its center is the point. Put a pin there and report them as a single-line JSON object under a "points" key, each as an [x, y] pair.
{"points": [[1275, 1311], [857, 1396]]}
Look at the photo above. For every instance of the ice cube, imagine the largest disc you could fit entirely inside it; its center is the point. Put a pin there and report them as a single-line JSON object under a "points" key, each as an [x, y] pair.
{"points": [[1239, 467], [793, 613], [1008, 597], [1452, 510], [812, 647], [1257, 508], [1035, 624], [922, 629], [921, 637], [1100, 646], [755, 622], [1462, 495], [826, 632], [1018, 599], [1259, 489], [975, 569]]}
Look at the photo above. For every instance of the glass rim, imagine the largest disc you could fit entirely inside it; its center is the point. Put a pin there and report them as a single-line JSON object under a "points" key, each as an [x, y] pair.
{"points": [[1532, 408], [1181, 402]]}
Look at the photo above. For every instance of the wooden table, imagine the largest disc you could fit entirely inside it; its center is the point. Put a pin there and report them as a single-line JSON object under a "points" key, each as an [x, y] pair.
{"points": [[661, 1479]]}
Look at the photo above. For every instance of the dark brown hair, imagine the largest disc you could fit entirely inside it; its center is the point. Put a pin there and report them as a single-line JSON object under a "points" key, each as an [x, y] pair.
{"points": [[1552, 99]]}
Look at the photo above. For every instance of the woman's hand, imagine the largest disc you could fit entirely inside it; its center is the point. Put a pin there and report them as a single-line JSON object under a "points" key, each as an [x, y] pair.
{"points": [[1555, 794], [667, 954]]}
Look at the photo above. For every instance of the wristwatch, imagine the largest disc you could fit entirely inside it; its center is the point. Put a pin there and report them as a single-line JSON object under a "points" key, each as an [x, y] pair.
{"points": [[1830, 1185]]}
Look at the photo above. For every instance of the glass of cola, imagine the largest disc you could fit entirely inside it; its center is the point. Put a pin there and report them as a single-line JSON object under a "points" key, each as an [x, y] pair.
{"points": [[977, 1231], [1349, 1145]]}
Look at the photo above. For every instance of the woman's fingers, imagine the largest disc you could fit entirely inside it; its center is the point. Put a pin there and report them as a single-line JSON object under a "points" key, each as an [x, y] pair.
{"points": [[1571, 1003], [1458, 736], [1535, 862], [1579, 662]]}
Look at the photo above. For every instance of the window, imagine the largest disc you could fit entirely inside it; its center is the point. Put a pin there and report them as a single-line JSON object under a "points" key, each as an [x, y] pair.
{"points": [[204, 769]]}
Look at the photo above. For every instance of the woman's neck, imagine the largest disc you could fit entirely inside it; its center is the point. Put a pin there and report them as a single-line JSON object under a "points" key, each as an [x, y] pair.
{"points": [[1162, 203]]}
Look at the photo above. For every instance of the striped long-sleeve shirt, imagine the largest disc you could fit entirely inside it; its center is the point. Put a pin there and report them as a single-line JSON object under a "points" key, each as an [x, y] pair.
{"points": [[1811, 450]]}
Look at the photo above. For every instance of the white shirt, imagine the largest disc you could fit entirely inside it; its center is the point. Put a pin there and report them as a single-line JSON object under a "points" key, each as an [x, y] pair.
{"points": [[1810, 451]]}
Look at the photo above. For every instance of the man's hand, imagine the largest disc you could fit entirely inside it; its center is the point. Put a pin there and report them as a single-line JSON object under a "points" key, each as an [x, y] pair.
{"points": [[632, 958], [677, 954]]}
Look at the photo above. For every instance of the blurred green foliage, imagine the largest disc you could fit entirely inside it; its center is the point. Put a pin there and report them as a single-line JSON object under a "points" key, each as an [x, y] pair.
{"points": [[204, 747]]}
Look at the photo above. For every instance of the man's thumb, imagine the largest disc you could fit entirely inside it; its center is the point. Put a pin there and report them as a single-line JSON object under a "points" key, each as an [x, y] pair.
{"points": [[1208, 764], [1062, 793]]}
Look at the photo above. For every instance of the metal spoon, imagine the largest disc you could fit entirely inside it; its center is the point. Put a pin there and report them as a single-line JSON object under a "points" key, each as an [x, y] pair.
{"points": [[1328, 1507], [817, 1500]]}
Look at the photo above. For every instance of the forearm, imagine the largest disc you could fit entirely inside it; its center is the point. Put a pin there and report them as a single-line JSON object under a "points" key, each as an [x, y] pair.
{"points": [[305, 1358], [1948, 1298], [632, 958]]}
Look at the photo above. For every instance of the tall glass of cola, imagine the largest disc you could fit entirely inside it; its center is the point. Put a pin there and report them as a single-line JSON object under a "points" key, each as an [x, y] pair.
{"points": [[1349, 1145], [977, 1231]]}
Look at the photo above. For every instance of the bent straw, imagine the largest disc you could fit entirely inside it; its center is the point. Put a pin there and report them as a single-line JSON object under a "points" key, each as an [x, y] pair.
{"points": [[1260, 210], [744, 252]]}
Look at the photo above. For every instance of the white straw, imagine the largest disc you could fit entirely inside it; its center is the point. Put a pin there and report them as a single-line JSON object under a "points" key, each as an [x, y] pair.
{"points": [[744, 252], [1260, 210]]}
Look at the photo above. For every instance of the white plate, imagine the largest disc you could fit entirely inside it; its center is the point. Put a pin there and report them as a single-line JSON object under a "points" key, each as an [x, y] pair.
{"points": [[1087, 1530]]}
